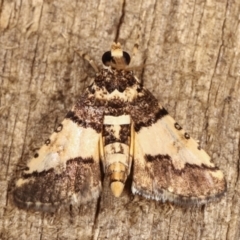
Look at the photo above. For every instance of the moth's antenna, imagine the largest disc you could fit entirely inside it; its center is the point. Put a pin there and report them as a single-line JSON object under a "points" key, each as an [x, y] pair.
{"points": [[139, 34], [89, 59], [120, 22]]}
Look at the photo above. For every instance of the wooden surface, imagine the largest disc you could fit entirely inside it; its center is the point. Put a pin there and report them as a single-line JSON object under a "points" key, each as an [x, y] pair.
{"points": [[190, 51]]}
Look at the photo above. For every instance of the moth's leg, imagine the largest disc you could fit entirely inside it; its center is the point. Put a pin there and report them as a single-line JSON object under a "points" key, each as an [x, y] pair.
{"points": [[89, 59], [135, 47], [131, 151], [101, 150]]}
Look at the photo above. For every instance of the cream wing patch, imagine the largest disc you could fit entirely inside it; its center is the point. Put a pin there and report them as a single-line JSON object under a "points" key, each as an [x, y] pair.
{"points": [[69, 142], [65, 170], [169, 141], [173, 168]]}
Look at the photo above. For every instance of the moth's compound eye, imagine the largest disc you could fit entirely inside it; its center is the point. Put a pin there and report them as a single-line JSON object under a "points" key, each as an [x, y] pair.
{"points": [[107, 58], [127, 57]]}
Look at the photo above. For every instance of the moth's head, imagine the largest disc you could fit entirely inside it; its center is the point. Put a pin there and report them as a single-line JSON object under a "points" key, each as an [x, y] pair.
{"points": [[116, 58]]}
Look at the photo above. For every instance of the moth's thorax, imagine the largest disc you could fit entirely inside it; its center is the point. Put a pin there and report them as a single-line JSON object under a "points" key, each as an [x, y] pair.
{"points": [[113, 79], [114, 89]]}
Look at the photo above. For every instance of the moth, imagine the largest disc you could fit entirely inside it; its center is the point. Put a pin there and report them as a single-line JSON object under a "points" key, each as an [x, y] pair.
{"points": [[118, 127]]}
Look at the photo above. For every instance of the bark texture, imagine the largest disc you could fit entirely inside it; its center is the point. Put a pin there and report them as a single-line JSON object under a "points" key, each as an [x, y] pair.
{"points": [[191, 56]]}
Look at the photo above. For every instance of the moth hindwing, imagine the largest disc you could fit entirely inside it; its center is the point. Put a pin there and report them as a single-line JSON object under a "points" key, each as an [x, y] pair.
{"points": [[121, 124]]}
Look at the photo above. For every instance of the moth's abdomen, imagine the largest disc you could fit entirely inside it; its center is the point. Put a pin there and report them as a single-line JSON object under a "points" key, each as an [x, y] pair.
{"points": [[117, 176], [116, 141]]}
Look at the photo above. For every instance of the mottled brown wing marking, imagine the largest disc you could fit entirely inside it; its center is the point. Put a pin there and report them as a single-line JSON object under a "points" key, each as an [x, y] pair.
{"points": [[66, 168], [156, 177], [145, 109], [87, 114], [79, 183], [168, 164]]}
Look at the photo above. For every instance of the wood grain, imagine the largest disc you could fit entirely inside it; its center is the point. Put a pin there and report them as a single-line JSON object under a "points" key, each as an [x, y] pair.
{"points": [[191, 63]]}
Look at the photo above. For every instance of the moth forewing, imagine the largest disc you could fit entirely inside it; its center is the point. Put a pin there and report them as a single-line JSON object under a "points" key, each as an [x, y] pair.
{"points": [[174, 168]]}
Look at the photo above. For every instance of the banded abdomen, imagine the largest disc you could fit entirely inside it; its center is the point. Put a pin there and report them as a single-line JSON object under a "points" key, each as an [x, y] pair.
{"points": [[117, 151]]}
